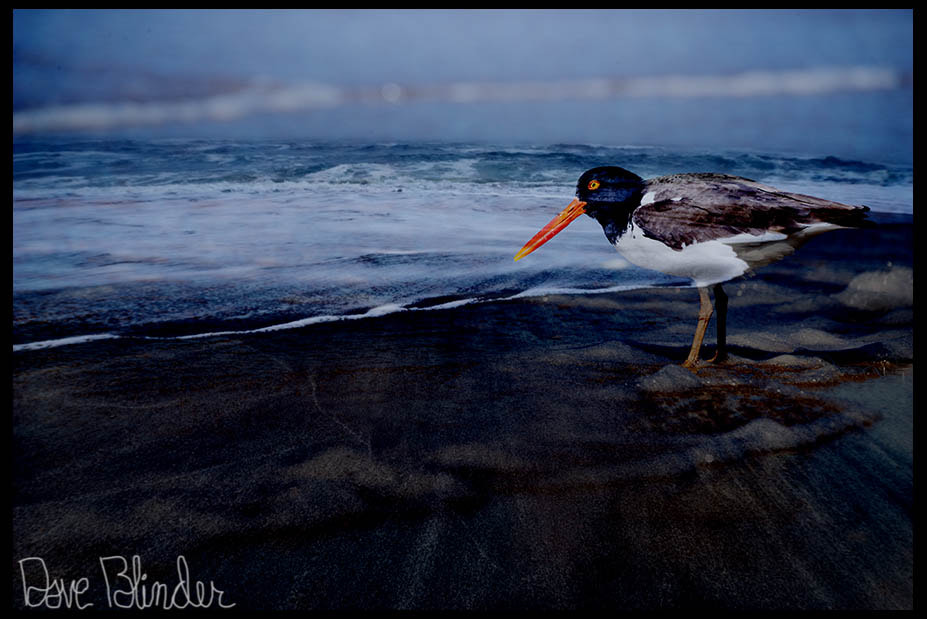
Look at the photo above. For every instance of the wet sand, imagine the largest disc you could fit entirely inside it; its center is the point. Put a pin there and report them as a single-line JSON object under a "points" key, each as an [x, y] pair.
{"points": [[543, 453]]}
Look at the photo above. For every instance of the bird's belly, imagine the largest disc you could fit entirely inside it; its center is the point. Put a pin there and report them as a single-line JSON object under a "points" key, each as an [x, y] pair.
{"points": [[706, 263]]}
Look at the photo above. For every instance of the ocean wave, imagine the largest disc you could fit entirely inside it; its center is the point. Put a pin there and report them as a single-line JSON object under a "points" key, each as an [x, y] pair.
{"points": [[248, 167], [876, 191]]}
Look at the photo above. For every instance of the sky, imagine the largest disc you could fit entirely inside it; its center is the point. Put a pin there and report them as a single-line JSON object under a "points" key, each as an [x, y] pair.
{"points": [[74, 57]]}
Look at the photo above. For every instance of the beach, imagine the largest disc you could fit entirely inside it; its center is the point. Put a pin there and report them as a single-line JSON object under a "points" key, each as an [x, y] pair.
{"points": [[545, 452]]}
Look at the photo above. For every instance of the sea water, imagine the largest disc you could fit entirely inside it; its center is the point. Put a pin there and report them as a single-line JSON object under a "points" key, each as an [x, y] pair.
{"points": [[189, 238]]}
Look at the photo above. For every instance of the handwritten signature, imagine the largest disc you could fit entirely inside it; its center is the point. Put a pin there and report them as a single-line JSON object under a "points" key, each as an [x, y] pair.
{"points": [[126, 585]]}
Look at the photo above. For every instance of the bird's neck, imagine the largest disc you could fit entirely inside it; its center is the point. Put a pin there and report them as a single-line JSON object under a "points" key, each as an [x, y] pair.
{"points": [[615, 218]]}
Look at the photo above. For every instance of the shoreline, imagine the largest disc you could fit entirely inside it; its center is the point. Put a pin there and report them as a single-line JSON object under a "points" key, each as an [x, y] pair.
{"points": [[34, 334]]}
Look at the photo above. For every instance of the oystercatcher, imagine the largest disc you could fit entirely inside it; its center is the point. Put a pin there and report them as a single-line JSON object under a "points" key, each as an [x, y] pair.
{"points": [[707, 227]]}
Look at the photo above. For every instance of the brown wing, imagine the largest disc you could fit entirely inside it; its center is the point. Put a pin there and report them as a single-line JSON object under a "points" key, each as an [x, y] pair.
{"points": [[691, 208]]}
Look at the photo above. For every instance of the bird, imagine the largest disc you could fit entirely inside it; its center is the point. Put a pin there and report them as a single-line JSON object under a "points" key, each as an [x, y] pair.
{"points": [[707, 227]]}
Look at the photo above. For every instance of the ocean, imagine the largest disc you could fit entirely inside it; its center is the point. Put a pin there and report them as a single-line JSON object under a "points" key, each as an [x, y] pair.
{"points": [[192, 238]]}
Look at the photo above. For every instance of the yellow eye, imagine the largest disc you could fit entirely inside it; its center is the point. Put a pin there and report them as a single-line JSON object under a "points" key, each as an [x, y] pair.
{"points": [[593, 185]]}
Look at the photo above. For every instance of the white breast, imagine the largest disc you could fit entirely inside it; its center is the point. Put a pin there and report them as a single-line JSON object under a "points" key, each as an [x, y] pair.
{"points": [[707, 263]]}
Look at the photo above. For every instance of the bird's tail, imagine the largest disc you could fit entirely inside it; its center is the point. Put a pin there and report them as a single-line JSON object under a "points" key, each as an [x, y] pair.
{"points": [[853, 217]]}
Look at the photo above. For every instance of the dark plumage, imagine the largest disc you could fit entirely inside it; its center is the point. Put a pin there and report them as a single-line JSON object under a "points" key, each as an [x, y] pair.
{"points": [[716, 206]]}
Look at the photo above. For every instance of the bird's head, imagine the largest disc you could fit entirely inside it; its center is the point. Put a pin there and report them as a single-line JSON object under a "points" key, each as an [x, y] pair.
{"points": [[600, 192], [607, 187]]}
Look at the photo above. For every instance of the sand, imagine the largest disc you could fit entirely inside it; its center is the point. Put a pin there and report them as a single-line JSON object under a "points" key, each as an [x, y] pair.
{"points": [[545, 453]]}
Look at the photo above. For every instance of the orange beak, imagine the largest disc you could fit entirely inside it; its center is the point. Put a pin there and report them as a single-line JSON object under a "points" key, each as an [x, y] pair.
{"points": [[558, 223]]}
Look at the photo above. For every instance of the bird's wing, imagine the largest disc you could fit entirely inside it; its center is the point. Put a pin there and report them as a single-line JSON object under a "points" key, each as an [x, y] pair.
{"points": [[683, 209]]}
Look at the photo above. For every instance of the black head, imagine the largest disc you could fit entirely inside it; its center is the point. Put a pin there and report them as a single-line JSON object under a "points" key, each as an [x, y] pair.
{"points": [[608, 186], [611, 194]]}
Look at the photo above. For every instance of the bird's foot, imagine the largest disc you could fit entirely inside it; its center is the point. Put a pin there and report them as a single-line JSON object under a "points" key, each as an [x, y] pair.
{"points": [[719, 357], [690, 364]]}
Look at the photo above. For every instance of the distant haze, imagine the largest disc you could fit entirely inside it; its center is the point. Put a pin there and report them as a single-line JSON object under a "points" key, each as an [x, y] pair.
{"points": [[139, 57]]}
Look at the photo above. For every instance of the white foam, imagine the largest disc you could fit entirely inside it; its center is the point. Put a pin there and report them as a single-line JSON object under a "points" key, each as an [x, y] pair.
{"points": [[382, 310], [542, 291], [616, 264], [77, 339]]}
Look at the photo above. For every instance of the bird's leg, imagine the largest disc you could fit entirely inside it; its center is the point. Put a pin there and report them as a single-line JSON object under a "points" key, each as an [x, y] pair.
{"points": [[704, 315], [721, 324]]}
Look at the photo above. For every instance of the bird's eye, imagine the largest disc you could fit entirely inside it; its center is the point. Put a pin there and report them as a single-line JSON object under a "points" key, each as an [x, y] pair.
{"points": [[593, 185]]}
